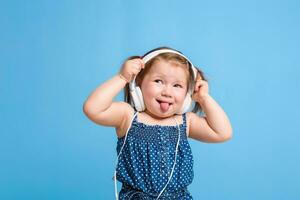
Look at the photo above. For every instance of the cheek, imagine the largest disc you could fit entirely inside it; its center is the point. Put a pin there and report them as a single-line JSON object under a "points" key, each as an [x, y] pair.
{"points": [[149, 90], [180, 95]]}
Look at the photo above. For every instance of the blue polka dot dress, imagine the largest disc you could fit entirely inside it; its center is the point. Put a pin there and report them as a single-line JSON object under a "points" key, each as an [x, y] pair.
{"points": [[147, 159]]}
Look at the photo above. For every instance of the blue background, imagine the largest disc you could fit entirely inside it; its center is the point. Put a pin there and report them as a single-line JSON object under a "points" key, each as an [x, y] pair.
{"points": [[55, 53]]}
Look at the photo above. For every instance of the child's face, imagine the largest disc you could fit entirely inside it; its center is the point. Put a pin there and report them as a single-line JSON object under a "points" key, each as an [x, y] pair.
{"points": [[164, 88]]}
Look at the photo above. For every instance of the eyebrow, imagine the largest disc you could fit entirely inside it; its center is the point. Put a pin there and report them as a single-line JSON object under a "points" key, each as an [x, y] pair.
{"points": [[157, 75]]}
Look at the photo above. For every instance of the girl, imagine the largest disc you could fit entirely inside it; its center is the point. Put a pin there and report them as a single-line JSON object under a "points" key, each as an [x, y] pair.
{"points": [[152, 125]]}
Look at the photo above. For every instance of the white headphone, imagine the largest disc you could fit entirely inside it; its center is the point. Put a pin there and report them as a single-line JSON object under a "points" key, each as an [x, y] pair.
{"points": [[136, 94]]}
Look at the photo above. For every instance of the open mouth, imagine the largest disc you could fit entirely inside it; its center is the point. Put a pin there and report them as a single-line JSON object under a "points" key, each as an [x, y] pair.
{"points": [[160, 102]]}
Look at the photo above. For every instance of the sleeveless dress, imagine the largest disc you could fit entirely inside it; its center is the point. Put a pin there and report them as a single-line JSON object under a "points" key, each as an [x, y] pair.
{"points": [[147, 159]]}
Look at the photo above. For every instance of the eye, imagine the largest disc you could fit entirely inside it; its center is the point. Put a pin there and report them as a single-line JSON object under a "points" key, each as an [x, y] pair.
{"points": [[178, 85], [158, 81]]}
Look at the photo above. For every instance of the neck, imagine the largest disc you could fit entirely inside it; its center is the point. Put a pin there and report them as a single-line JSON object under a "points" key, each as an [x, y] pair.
{"points": [[156, 117]]}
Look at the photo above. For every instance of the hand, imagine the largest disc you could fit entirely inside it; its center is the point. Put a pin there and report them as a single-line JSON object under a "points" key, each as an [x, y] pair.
{"points": [[131, 68], [201, 89]]}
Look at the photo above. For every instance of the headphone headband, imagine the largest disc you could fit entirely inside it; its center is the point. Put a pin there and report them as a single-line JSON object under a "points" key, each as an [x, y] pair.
{"points": [[151, 55]]}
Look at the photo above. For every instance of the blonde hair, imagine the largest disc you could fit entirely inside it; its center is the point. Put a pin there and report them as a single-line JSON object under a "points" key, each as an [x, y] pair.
{"points": [[168, 57]]}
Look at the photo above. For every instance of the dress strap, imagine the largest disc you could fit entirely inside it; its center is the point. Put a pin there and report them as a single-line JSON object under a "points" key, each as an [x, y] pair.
{"points": [[134, 118], [184, 118], [117, 160]]}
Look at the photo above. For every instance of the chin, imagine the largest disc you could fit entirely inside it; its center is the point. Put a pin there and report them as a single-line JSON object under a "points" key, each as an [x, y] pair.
{"points": [[168, 113]]}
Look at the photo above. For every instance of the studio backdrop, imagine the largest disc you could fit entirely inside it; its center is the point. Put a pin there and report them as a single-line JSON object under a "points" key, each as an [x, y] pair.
{"points": [[53, 54]]}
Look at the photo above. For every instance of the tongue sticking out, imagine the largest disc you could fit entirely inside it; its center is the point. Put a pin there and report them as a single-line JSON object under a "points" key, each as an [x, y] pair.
{"points": [[164, 106]]}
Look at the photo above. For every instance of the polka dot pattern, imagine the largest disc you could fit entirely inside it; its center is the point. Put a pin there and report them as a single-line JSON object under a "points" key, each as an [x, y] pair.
{"points": [[147, 158]]}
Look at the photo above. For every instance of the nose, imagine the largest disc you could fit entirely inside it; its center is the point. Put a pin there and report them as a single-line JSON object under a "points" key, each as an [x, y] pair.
{"points": [[166, 91]]}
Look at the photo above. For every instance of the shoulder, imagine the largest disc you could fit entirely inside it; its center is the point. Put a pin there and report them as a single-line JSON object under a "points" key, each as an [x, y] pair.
{"points": [[189, 116], [195, 124]]}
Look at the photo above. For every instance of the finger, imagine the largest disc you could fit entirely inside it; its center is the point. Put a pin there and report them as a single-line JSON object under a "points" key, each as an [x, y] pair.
{"points": [[139, 61], [143, 64], [196, 88], [199, 77], [135, 62], [197, 85], [202, 83], [136, 70], [136, 66]]}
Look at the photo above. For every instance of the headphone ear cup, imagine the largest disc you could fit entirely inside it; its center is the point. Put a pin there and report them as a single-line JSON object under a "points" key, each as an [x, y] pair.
{"points": [[137, 99], [186, 104], [141, 99]]}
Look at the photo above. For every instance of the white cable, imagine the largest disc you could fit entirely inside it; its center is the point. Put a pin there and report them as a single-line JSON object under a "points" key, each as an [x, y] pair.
{"points": [[115, 173], [116, 162]]}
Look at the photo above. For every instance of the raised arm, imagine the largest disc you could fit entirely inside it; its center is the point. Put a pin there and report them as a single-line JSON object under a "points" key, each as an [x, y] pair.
{"points": [[215, 126], [99, 106]]}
